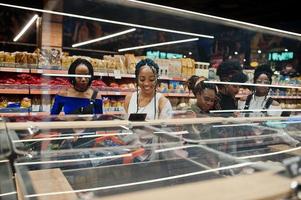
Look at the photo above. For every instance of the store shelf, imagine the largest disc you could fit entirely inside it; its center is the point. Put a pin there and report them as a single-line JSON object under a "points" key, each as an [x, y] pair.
{"points": [[178, 95], [14, 114], [39, 113], [37, 91], [48, 71], [29, 69], [11, 69], [172, 78], [14, 91], [119, 76], [274, 97], [115, 93]]}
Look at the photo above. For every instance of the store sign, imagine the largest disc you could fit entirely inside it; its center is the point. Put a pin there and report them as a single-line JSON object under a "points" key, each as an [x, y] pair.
{"points": [[162, 55], [281, 56]]}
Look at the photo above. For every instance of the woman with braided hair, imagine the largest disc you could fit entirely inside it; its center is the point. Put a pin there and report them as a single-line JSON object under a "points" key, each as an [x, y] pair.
{"points": [[146, 99], [205, 93]]}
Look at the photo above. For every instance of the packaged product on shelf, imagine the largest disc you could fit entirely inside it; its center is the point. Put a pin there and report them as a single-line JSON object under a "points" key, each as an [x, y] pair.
{"points": [[9, 59], [174, 68], [32, 60], [130, 62], [111, 65], [21, 58], [163, 87], [102, 65], [106, 104], [50, 58], [2, 57], [36, 104], [3, 102], [120, 63], [26, 102], [94, 63], [163, 66], [66, 61]]}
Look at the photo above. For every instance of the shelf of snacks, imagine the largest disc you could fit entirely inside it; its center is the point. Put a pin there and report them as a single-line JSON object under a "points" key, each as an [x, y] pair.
{"points": [[8, 114]]}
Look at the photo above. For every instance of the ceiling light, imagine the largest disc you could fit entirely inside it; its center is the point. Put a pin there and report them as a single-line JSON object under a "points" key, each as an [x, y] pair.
{"points": [[158, 44], [106, 20], [221, 19], [190, 53], [26, 27], [235, 52], [103, 38], [285, 49], [259, 51]]}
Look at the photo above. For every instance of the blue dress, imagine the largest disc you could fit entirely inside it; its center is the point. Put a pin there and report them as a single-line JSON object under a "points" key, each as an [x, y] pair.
{"points": [[71, 105]]}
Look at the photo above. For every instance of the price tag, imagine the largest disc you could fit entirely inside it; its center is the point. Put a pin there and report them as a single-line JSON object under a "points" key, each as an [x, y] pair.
{"points": [[117, 93], [19, 70], [45, 92], [40, 71], [117, 74]]}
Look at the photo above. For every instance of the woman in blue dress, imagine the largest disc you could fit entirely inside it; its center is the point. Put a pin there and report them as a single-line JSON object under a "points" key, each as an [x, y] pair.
{"points": [[80, 98]]}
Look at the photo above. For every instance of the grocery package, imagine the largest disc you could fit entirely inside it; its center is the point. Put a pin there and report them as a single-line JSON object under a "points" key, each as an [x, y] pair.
{"points": [[50, 58], [130, 61]]}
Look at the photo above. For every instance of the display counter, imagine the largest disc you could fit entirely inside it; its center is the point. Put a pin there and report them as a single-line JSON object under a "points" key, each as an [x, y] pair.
{"points": [[93, 158]]}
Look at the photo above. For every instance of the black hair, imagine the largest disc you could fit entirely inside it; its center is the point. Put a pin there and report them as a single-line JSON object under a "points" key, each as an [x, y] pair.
{"points": [[73, 66], [149, 62], [263, 69], [230, 70], [197, 86], [155, 69]]}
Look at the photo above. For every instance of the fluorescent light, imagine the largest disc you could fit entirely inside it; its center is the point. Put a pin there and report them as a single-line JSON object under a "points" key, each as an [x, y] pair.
{"points": [[103, 38], [158, 44], [106, 20], [26, 27], [220, 19]]}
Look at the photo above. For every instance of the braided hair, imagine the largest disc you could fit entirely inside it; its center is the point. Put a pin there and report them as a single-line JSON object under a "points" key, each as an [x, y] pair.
{"points": [[155, 69]]}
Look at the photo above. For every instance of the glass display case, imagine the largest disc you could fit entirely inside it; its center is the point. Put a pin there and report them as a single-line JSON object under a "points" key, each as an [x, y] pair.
{"points": [[106, 156], [7, 185], [166, 157]]}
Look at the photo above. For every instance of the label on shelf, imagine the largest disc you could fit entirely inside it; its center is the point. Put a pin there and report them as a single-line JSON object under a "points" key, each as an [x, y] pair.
{"points": [[45, 92], [117, 74], [19, 70]]}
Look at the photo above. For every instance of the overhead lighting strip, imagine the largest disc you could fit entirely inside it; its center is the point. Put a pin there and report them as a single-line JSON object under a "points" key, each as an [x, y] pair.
{"points": [[103, 38], [106, 21], [218, 18], [158, 44], [25, 28]]}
